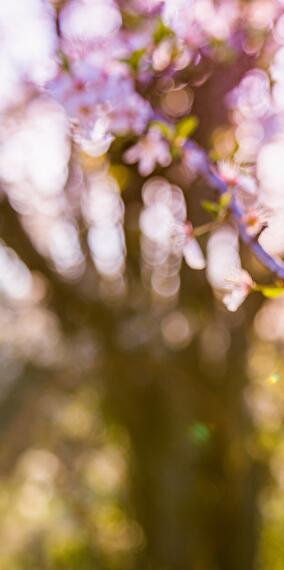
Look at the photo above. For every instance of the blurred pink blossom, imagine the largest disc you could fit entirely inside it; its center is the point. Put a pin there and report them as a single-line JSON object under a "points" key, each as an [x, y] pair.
{"points": [[150, 150], [237, 289]]}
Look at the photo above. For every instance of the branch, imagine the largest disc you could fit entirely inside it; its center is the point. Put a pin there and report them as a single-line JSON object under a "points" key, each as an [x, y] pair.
{"points": [[274, 266], [217, 183]]}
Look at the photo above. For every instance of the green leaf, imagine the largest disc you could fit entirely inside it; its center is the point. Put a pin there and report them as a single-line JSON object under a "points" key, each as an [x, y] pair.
{"points": [[165, 129], [270, 292], [225, 200], [175, 152], [64, 61], [161, 31], [186, 127], [217, 209], [134, 59], [211, 207]]}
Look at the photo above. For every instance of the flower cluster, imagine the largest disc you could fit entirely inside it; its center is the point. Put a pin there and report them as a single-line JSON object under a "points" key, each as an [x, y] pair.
{"points": [[91, 86]]}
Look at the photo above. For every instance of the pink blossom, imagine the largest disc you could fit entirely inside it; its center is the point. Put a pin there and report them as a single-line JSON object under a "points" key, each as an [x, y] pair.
{"points": [[130, 114], [98, 139], [150, 150], [228, 171], [85, 89], [237, 289], [191, 249], [256, 220], [193, 254], [77, 90], [86, 20]]}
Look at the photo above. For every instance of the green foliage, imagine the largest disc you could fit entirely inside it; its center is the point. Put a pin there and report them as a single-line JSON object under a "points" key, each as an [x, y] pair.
{"points": [[64, 61], [165, 129], [186, 126], [134, 59], [177, 134], [217, 209], [211, 207], [161, 32]]}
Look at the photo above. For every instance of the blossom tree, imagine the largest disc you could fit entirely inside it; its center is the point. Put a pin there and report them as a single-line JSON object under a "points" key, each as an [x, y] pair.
{"points": [[90, 85], [141, 202]]}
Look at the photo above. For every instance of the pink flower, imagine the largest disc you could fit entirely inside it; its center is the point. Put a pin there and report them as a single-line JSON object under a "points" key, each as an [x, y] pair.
{"points": [[191, 249], [77, 91], [85, 89], [148, 151], [237, 289], [86, 20], [193, 254], [228, 171], [256, 220], [97, 139], [130, 114]]}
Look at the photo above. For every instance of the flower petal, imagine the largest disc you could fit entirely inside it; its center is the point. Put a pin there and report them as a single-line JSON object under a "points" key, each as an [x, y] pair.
{"points": [[193, 254]]}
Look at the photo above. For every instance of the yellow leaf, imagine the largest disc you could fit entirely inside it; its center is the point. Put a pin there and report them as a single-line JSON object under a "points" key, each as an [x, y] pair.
{"points": [[271, 292]]}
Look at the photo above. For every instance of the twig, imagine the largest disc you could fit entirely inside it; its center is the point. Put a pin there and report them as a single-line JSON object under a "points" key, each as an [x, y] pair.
{"points": [[205, 228], [273, 265]]}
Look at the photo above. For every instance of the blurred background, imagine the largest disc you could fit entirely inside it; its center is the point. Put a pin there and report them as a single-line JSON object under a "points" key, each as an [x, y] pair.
{"points": [[141, 422]]}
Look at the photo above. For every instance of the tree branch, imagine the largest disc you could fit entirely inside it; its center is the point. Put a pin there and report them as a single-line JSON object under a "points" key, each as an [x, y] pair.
{"points": [[276, 267]]}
